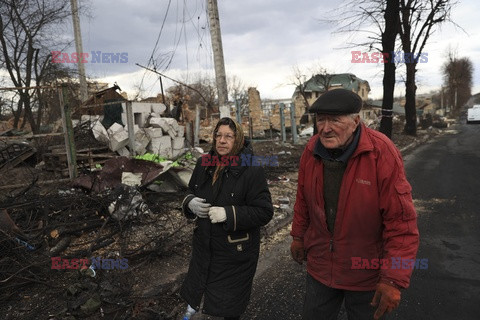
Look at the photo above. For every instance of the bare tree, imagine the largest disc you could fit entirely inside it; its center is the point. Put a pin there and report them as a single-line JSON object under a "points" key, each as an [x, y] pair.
{"points": [[378, 21], [3, 106], [238, 93], [418, 19], [318, 76], [458, 77], [46, 101], [389, 35], [26, 38], [414, 21], [3, 103], [201, 91], [299, 80]]}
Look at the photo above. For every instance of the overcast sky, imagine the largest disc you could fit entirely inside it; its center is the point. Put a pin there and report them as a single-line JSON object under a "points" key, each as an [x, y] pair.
{"points": [[262, 41]]}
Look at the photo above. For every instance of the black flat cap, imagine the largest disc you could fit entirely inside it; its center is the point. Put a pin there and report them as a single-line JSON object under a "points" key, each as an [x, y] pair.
{"points": [[337, 101]]}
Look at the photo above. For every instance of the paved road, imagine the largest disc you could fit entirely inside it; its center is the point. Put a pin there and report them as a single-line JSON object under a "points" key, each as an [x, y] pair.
{"points": [[445, 176]]}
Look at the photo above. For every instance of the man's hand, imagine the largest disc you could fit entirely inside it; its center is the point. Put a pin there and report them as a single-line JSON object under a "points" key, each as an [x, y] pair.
{"points": [[389, 298], [217, 214], [297, 250], [199, 206]]}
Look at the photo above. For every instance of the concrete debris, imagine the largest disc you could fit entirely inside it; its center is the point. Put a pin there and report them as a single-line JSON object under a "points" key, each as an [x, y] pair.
{"points": [[115, 128], [161, 136], [123, 152], [132, 179], [152, 132], [161, 146], [307, 132], [99, 131], [142, 139]]}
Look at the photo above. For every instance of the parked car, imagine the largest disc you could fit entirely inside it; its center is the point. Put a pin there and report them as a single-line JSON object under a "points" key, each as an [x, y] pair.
{"points": [[473, 114]]}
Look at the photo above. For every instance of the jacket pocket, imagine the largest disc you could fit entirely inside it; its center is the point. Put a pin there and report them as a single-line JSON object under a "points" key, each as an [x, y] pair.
{"points": [[345, 273], [240, 247], [239, 243], [405, 198]]}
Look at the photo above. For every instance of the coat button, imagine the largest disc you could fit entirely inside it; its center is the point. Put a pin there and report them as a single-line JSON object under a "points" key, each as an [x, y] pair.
{"points": [[239, 247]]}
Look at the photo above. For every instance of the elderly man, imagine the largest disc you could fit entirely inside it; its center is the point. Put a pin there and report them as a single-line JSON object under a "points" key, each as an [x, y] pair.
{"points": [[354, 218]]}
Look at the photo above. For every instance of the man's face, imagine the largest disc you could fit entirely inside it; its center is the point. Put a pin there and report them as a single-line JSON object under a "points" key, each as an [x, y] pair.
{"points": [[336, 131]]}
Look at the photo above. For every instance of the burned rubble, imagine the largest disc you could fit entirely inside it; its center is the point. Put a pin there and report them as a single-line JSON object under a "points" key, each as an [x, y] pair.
{"points": [[76, 220], [71, 248], [111, 243]]}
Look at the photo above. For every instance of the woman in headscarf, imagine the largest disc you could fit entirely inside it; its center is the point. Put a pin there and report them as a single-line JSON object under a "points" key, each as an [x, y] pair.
{"points": [[230, 201]]}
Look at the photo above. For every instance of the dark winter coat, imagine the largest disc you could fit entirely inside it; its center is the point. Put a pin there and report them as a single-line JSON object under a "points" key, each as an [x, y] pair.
{"points": [[225, 255]]}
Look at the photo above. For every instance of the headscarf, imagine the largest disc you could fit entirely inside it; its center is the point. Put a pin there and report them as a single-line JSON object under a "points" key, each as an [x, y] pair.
{"points": [[237, 145]]}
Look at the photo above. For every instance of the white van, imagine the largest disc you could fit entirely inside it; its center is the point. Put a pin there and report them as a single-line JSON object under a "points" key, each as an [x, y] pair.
{"points": [[473, 114]]}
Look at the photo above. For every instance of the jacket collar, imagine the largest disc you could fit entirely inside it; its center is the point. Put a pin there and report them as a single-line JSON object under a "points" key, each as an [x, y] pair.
{"points": [[364, 142], [343, 155]]}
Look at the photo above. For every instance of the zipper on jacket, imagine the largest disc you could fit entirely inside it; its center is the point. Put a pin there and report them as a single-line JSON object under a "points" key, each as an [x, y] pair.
{"points": [[331, 261]]}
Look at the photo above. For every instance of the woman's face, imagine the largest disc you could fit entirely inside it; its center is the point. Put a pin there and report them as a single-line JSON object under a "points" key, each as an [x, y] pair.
{"points": [[225, 138]]}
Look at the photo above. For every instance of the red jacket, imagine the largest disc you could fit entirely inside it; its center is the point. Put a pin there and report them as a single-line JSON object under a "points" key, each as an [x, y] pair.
{"points": [[375, 220]]}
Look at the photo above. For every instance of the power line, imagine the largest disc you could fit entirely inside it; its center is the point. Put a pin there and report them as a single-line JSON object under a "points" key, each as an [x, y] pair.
{"points": [[160, 32], [186, 16], [151, 60], [176, 42]]}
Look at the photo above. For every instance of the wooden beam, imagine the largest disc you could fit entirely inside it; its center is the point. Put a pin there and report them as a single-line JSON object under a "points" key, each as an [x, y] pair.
{"points": [[20, 185]]}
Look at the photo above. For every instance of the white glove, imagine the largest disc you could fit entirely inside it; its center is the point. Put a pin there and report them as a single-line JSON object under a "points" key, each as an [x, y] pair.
{"points": [[217, 214], [199, 206]]}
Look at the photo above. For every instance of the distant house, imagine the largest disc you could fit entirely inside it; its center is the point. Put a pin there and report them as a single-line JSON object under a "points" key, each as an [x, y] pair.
{"points": [[397, 109], [108, 103], [424, 105], [97, 99], [371, 110], [158, 99], [320, 83]]}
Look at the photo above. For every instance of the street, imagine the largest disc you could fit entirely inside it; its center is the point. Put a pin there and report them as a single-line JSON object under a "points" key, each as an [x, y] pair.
{"points": [[445, 177]]}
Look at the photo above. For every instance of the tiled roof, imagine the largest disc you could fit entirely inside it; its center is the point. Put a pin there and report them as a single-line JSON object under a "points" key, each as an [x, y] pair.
{"points": [[346, 80]]}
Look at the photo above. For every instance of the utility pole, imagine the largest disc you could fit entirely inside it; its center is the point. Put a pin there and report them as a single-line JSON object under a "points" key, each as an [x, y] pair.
{"points": [[79, 48], [217, 47]]}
